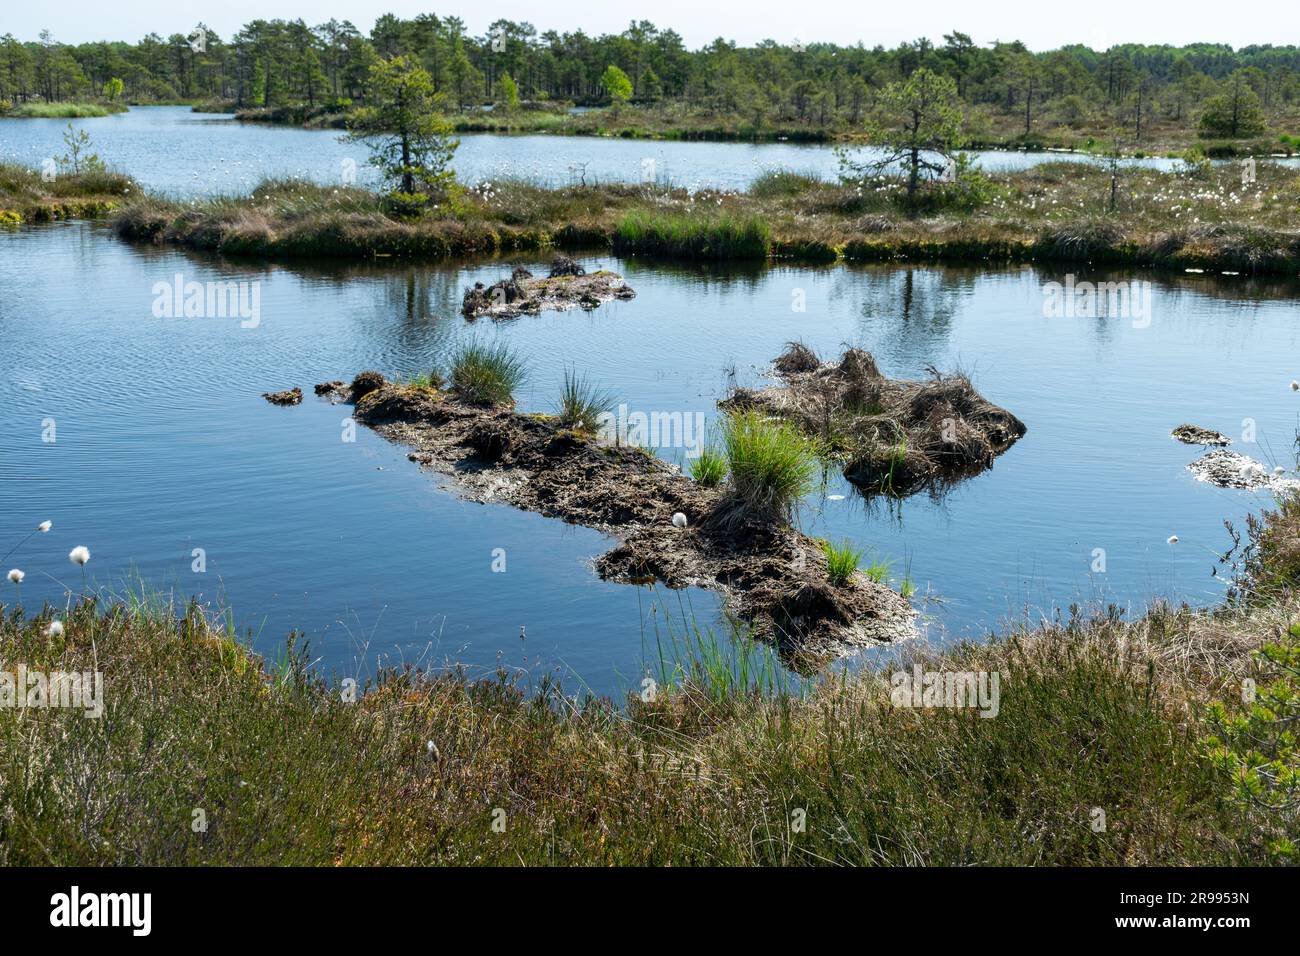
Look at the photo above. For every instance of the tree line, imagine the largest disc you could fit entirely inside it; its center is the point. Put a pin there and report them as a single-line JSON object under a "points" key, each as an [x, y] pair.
{"points": [[270, 63]]}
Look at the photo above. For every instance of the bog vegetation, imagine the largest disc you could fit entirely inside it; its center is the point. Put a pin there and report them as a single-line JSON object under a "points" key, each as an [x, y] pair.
{"points": [[1161, 740]]}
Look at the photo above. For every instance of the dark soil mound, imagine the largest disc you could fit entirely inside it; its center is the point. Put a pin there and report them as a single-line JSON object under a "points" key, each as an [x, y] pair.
{"points": [[564, 266], [290, 396], [892, 436], [364, 383], [1196, 435], [772, 576]]}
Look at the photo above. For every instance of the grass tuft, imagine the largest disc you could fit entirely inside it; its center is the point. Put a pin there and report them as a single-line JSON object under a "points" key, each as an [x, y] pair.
{"points": [[841, 561], [771, 467], [486, 374], [783, 183], [1093, 712], [710, 466], [582, 403]]}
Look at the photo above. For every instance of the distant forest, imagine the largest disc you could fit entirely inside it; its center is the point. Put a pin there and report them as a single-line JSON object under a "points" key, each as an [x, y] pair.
{"points": [[273, 63]]}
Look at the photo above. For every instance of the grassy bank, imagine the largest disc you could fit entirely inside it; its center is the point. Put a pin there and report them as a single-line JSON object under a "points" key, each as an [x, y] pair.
{"points": [[62, 110], [1201, 218], [984, 128], [665, 123], [1097, 719], [26, 197]]}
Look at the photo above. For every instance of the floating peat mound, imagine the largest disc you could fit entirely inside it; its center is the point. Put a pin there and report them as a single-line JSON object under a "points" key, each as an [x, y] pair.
{"points": [[290, 396], [770, 575], [1196, 435], [567, 286], [1228, 469], [892, 436]]}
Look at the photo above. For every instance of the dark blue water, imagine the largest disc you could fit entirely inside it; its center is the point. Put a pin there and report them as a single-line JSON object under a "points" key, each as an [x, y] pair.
{"points": [[164, 444], [171, 149]]}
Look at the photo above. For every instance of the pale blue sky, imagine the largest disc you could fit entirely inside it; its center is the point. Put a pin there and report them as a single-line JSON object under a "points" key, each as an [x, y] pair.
{"points": [[1042, 25]]}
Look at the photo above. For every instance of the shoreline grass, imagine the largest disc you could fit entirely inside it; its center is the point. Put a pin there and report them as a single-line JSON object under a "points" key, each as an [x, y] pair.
{"points": [[718, 762], [27, 197], [842, 560], [986, 130], [205, 753], [62, 110], [582, 403], [1199, 218]]}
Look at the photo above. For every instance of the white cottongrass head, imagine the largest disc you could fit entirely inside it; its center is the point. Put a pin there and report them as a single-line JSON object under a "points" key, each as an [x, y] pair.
{"points": [[16, 576], [44, 526], [1172, 539], [679, 520], [79, 555], [55, 629]]}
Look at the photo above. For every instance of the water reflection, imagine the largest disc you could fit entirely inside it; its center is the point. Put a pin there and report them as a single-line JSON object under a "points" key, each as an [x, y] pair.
{"points": [[165, 445]]}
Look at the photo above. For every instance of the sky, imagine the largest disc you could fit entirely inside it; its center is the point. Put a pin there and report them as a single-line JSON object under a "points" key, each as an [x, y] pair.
{"points": [[1041, 25]]}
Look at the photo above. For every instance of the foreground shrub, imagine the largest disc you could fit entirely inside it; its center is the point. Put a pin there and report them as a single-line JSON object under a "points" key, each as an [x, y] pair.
{"points": [[1256, 748], [292, 773]]}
